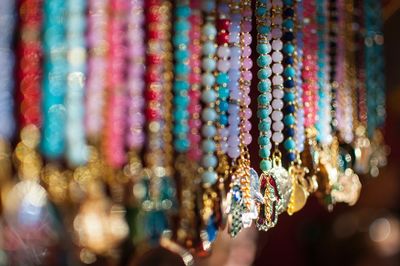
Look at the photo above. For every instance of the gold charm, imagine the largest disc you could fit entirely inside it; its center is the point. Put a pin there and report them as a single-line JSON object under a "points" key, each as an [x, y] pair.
{"points": [[362, 151], [268, 212], [348, 187], [299, 194], [283, 182]]}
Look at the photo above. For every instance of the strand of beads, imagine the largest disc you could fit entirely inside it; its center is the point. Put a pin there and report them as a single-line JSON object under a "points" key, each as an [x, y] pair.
{"points": [[114, 127], [299, 135], [277, 70], [264, 85], [97, 65], [54, 79], [234, 76], [289, 80], [195, 82], [324, 110], [77, 153], [222, 78], [333, 28], [182, 69], [29, 88], [135, 83]]}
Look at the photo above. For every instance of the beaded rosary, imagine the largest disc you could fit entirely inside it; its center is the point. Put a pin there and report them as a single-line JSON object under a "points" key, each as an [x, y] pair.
{"points": [[144, 123]]}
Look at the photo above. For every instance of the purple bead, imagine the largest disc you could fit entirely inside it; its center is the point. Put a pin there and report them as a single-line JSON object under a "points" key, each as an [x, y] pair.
{"points": [[233, 152], [247, 139]]}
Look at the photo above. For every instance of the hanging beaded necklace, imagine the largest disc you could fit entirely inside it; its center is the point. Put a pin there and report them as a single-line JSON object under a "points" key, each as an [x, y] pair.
{"points": [[76, 150]]}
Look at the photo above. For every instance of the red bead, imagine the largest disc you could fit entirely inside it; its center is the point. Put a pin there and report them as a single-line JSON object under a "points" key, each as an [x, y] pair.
{"points": [[223, 24], [222, 38]]}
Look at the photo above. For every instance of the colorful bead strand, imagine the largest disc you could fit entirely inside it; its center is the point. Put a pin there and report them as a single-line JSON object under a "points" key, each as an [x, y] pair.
{"points": [[76, 151]]}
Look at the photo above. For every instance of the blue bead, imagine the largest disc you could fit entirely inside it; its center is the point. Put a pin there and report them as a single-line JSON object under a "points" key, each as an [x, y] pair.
{"points": [[290, 108], [288, 60], [289, 131], [288, 83], [222, 78], [209, 96], [223, 92], [223, 120], [291, 156], [208, 131], [209, 177], [261, 11], [209, 30], [209, 48], [209, 114], [208, 146], [288, 24], [208, 79], [209, 161], [223, 106], [263, 29]]}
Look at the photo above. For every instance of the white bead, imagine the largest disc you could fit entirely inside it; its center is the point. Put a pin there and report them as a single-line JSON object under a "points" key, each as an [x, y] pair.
{"points": [[277, 115], [277, 126], [277, 56], [268, 134], [223, 51], [277, 137], [277, 45], [277, 68], [278, 93], [277, 104], [223, 65], [277, 80]]}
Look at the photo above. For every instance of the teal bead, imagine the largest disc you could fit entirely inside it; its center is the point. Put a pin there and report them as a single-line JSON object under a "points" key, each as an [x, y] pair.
{"points": [[265, 165], [261, 11], [288, 48], [209, 96], [180, 39], [181, 86], [181, 25], [209, 161], [181, 55], [209, 114], [264, 60], [181, 145], [223, 92], [209, 177], [180, 128], [182, 101], [223, 120], [263, 29], [210, 30], [208, 79], [262, 113], [183, 11], [264, 153], [264, 73], [263, 140], [264, 126], [288, 2], [180, 114], [208, 131], [263, 99], [288, 23], [208, 146], [289, 120], [182, 69], [289, 72], [223, 105], [289, 96], [264, 85], [209, 64], [263, 48], [289, 144], [222, 78], [209, 48]]}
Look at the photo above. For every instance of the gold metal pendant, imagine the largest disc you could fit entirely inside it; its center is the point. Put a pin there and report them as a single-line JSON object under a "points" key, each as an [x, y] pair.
{"points": [[299, 194], [268, 212], [348, 188], [283, 183], [362, 151]]}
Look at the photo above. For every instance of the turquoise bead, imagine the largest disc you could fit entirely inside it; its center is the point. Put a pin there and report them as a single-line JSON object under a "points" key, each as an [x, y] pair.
{"points": [[288, 2], [263, 140], [182, 11], [209, 96], [264, 73], [182, 101], [263, 99], [289, 97], [264, 85], [180, 128], [263, 48], [223, 106], [223, 120], [209, 161], [181, 85], [208, 146], [264, 153], [288, 48], [208, 131], [180, 39], [210, 30], [262, 113], [208, 79], [222, 78], [289, 144], [180, 114], [181, 145], [261, 11], [209, 177], [264, 126], [182, 25], [182, 69], [209, 48], [209, 64], [264, 60], [181, 55], [289, 72], [263, 29], [209, 114], [223, 92], [265, 165], [289, 120], [288, 24]]}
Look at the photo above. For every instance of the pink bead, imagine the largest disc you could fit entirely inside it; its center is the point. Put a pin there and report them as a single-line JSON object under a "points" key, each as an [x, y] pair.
{"points": [[247, 139], [247, 38], [247, 63], [247, 75], [246, 51], [277, 80], [276, 33], [247, 113], [277, 56], [277, 44], [277, 68]]}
